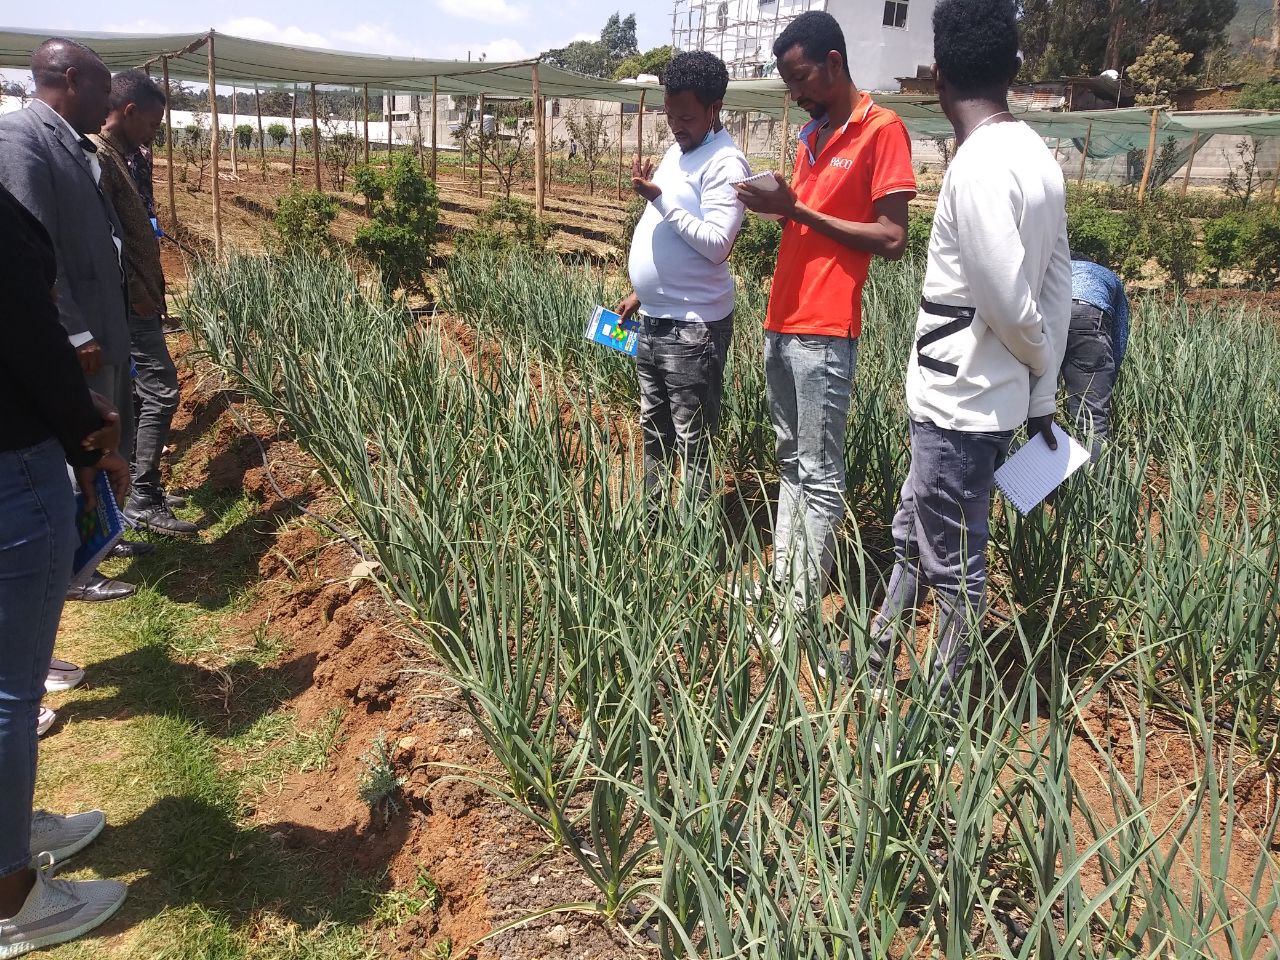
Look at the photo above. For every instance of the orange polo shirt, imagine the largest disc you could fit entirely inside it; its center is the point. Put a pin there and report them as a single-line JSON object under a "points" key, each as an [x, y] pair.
{"points": [[817, 284]]}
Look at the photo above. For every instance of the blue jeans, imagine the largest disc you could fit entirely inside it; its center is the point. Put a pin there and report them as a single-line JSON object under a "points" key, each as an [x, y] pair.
{"points": [[809, 381], [940, 536], [1089, 372], [37, 542]]}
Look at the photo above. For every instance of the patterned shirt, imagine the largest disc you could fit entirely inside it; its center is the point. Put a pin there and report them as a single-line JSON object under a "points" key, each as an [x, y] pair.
{"points": [[141, 248], [139, 162], [1099, 287]]}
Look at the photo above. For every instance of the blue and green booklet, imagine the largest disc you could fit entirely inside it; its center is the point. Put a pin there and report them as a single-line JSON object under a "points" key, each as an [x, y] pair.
{"points": [[610, 330], [100, 529]]}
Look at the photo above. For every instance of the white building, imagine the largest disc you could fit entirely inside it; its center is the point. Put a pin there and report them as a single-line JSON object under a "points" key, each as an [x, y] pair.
{"points": [[886, 39]]}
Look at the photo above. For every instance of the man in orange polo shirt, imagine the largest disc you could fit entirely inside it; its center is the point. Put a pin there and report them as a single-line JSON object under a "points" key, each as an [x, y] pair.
{"points": [[847, 203]]}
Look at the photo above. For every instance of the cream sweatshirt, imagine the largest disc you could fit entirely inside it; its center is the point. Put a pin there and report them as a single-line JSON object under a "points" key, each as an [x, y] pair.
{"points": [[999, 245]]}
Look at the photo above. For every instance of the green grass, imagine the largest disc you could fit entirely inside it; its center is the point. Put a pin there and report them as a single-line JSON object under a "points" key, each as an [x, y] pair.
{"points": [[182, 726]]}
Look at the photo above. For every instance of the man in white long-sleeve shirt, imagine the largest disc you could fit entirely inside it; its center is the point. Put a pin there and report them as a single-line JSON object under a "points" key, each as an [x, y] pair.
{"points": [[682, 289], [990, 334]]}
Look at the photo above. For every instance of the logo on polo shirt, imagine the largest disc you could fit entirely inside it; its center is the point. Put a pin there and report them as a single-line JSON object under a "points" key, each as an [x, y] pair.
{"points": [[844, 163]]}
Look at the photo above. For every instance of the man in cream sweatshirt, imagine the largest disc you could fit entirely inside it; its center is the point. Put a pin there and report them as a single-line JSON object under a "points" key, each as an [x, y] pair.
{"points": [[682, 289], [990, 334]]}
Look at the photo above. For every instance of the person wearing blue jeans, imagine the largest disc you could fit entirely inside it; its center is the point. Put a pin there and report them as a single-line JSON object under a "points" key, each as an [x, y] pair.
{"points": [[48, 421], [990, 335], [1096, 345]]}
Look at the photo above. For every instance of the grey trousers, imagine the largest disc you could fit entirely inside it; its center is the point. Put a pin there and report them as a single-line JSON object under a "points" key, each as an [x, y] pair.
{"points": [[115, 384], [156, 389], [810, 381], [680, 365], [940, 536], [1089, 372]]}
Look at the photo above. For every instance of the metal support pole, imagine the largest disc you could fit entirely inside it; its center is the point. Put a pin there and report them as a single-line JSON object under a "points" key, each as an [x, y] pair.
{"points": [[215, 148], [168, 144]]}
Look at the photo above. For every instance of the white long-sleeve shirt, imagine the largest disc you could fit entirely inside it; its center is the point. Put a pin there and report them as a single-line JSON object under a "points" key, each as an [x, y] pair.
{"points": [[999, 245], [678, 252]]}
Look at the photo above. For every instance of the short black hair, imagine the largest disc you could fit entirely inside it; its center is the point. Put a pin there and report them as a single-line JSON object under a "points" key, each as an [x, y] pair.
{"points": [[702, 73], [52, 59], [817, 33], [975, 43], [134, 86]]}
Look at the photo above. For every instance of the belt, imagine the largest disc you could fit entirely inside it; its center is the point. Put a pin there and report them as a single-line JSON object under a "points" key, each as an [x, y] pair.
{"points": [[962, 317]]}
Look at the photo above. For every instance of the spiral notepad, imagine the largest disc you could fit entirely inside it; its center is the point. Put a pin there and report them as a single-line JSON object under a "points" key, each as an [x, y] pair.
{"points": [[1035, 471]]}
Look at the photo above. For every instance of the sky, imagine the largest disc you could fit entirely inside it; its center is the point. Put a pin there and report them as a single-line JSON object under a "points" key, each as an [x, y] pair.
{"points": [[444, 29]]}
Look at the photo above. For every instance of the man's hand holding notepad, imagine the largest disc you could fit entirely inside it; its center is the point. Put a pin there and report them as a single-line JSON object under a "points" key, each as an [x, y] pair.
{"points": [[766, 182], [1035, 471]]}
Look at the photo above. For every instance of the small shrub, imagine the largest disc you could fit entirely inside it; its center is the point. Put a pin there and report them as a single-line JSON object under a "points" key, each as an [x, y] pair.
{"points": [[302, 220], [507, 223], [919, 228], [244, 136], [1224, 244], [1244, 242], [278, 133], [305, 135], [755, 254], [405, 211], [379, 784], [1097, 234]]}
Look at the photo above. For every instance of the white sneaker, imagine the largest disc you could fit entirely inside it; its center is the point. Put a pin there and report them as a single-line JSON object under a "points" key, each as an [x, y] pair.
{"points": [[64, 837], [56, 911], [62, 676], [46, 719]]}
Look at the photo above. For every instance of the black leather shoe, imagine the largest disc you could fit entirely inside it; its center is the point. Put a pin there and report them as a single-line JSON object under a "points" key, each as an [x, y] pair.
{"points": [[100, 588], [159, 517], [131, 549]]}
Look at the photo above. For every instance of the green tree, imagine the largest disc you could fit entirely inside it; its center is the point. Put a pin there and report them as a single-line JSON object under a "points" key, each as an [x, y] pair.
{"points": [[1064, 37], [244, 136], [1261, 95], [653, 61], [302, 221], [278, 132], [599, 58], [405, 211], [1161, 69], [619, 36]]}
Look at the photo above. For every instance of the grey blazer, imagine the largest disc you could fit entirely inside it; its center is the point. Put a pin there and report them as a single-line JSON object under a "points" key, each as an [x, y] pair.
{"points": [[42, 164]]}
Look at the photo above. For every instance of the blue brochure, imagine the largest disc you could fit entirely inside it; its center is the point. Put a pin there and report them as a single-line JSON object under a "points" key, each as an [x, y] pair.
{"points": [[609, 329], [99, 530]]}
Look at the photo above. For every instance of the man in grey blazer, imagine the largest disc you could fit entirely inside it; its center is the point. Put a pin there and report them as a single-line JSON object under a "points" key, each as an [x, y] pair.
{"points": [[50, 165]]}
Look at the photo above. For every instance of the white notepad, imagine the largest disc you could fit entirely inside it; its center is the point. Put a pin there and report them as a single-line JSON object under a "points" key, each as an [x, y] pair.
{"points": [[1035, 471]]}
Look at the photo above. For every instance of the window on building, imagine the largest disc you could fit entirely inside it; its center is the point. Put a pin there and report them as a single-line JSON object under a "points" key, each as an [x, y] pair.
{"points": [[895, 13], [722, 17]]}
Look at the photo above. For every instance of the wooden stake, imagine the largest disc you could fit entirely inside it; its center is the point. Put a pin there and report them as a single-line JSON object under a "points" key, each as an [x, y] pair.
{"points": [[1084, 154], [417, 119], [783, 141], [235, 134], [1274, 177], [262, 140], [293, 121], [1057, 149], [168, 144], [391, 109], [315, 138], [1151, 155], [215, 148], [366, 124], [435, 149], [1191, 159], [621, 109], [640, 127], [539, 146], [746, 136], [480, 164]]}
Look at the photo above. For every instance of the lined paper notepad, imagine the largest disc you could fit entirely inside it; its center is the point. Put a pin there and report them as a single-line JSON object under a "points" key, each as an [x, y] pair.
{"points": [[1035, 471]]}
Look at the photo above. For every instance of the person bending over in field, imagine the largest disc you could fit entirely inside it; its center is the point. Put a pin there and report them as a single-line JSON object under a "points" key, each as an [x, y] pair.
{"points": [[682, 291], [990, 334], [1096, 344]]}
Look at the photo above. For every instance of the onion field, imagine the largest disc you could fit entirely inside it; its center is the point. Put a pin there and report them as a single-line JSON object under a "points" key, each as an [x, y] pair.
{"points": [[1110, 789]]}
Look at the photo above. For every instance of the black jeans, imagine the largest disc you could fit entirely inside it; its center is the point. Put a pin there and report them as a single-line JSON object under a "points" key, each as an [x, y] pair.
{"points": [[156, 391], [1089, 372]]}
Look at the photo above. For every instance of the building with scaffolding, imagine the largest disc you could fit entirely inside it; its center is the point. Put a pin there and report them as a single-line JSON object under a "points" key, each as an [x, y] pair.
{"points": [[886, 39]]}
